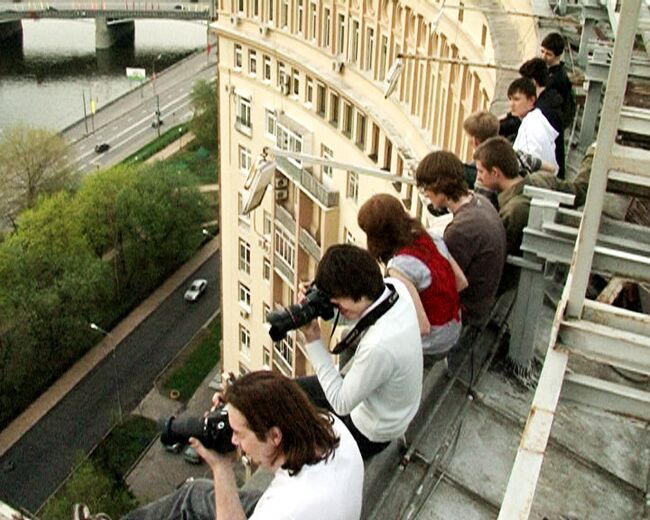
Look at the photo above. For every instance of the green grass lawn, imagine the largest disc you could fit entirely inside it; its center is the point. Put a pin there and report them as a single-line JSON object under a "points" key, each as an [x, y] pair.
{"points": [[196, 363]]}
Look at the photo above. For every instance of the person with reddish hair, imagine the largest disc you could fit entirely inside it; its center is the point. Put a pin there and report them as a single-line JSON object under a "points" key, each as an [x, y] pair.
{"points": [[425, 266], [317, 467]]}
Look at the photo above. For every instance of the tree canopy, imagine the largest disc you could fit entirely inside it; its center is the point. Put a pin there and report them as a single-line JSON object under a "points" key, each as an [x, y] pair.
{"points": [[34, 162], [204, 123]]}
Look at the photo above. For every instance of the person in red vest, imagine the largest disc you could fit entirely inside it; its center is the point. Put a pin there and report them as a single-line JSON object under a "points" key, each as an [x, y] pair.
{"points": [[423, 263]]}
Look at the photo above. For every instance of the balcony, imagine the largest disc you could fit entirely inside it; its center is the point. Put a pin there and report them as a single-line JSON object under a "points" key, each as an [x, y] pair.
{"points": [[308, 183], [283, 269], [285, 218], [309, 244]]}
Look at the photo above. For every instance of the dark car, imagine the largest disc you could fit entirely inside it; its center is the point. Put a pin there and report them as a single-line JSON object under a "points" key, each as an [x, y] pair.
{"points": [[102, 147], [156, 123]]}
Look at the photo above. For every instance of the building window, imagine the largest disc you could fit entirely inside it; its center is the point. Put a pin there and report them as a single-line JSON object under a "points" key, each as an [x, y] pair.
{"points": [[321, 100], [360, 137], [256, 7], [266, 358], [244, 341], [271, 10], [243, 121], [326, 153], [284, 349], [374, 144], [267, 225], [244, 297], [245, 159], [326, 27], [300, 16], [312, 23], [354, 41], [267, 68], [309, 90], [383, 57], [244, 256], [295, 82], [284, 246], [353, 186], [483, 36], [388, 155], [461, 11], [238, 56], [252, 62], [245, 219], [266, 271], [269, 123], [347, 119], [240, 6], [284, 14], [243, 369], [334, 109], [370, 47], [265, 311], [287, 139], [340, 37], [348, 238]]}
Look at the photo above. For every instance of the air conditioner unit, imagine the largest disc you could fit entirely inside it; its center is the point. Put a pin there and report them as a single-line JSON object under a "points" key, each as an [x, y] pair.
{"points": [[235, 19], [264, 243], [285, 84], [281, 182], [264, 29], [281, 195], [244, 314], [337, 64]]}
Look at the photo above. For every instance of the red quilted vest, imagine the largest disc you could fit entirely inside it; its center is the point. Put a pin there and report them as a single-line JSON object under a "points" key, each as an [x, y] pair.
{"points": [[440, 300]]}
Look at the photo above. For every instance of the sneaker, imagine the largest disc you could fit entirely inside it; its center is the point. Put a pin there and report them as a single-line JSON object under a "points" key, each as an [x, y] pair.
{"points": [[80, 512]]}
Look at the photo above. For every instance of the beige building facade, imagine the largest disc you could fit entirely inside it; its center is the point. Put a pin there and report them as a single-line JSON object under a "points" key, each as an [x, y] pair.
{"points": [[309, 76]]}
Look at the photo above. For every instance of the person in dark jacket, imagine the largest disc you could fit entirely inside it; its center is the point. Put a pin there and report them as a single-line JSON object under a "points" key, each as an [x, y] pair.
{"points": [[551, 52]]}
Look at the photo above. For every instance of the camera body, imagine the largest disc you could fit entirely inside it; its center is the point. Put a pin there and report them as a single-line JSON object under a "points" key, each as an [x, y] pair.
{"points": [[316, 304], [213, 430]]}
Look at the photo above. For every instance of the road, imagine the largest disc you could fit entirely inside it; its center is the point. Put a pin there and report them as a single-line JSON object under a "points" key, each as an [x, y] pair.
{"points": [[125, 124], [33, 467]]}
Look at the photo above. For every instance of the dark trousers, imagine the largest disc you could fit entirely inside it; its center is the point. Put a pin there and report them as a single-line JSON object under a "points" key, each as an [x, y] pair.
{"points": [[312, 387]]}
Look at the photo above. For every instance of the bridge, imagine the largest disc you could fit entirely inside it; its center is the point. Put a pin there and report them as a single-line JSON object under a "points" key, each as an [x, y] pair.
{"points": [[114, 20]]}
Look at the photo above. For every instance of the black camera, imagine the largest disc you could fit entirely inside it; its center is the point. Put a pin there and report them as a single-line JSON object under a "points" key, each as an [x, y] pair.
{"points": [[213, 430], [316, 304]]}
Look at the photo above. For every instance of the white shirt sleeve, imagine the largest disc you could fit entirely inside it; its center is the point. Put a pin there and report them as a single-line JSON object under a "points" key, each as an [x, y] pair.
{"points": [[369, 369]]}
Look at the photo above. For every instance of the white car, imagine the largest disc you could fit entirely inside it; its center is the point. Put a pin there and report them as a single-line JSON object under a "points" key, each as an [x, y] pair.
{"points": [[196, 289]]}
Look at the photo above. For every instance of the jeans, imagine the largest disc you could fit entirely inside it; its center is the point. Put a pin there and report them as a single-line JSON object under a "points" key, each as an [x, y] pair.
{"points": [[194, 500], [312, 387]]}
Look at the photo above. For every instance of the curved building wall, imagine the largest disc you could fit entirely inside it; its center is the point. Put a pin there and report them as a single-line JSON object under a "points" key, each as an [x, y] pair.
{"points": [[309, 76]]}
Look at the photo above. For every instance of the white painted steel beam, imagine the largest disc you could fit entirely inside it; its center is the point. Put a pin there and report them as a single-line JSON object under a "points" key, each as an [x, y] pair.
{"points": [[606, 395], [606, 345], [628, 159], [617, 317], [635, 120]]}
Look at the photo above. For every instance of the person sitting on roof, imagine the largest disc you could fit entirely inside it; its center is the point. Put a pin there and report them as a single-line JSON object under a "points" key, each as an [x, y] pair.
{"points": [[422, 261], [535, 135], [381, 391], [475, 237], [318, 471]]}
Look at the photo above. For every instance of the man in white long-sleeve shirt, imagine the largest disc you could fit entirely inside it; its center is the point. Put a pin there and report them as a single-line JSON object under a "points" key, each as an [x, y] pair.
{"points": [[380, 392]]}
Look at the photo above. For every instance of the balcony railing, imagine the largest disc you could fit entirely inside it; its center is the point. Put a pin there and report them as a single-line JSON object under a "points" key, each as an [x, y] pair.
{"points": [[309, 244], [285, 218], [308, 182], [283, 268]]}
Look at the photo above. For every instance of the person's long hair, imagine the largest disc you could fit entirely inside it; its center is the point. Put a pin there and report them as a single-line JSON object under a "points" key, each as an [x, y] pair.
{"points": [[387, 226], [267, 399]]}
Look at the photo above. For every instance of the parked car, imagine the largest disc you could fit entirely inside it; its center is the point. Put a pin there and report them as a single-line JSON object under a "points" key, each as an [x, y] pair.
{"points": [[196, 290], [102, 147]]}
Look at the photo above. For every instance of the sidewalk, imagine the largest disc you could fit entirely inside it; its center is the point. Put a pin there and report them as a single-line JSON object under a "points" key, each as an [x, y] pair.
{"points": [[24, 422]]}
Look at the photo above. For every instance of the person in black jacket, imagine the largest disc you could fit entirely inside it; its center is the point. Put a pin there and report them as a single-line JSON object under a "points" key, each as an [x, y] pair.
{"points": [[551, 52], [550, 102]]}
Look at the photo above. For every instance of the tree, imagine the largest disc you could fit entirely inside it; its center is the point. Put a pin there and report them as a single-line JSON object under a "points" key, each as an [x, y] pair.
{"points": [[204, 123], [33, 162], [52, 287]]}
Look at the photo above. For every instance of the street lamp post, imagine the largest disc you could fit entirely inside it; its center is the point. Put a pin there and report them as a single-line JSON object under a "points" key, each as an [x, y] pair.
{"points": [[97, 328]]}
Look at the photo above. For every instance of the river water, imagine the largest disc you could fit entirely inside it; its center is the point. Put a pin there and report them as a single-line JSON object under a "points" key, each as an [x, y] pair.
{"points": [[45, 83]]}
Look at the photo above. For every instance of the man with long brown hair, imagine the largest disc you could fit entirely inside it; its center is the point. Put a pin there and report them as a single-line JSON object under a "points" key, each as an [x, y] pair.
{"points": [[318, 471]]}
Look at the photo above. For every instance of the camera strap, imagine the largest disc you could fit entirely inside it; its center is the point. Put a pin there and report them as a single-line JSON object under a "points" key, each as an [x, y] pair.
{"points": [[367, 321]]}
